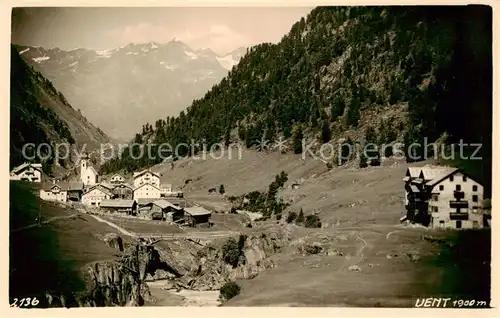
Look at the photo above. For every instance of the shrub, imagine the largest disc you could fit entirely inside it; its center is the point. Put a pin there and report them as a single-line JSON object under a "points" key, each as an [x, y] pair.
{"points": [[291, 217], [231, 252], [229, 290], [363, 163], [222, 190], [314, 248], [313, 221], [300, 218]]}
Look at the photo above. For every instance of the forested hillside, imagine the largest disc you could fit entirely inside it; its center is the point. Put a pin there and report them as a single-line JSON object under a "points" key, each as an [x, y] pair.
{"points": [[400, 73], [40, 114]]}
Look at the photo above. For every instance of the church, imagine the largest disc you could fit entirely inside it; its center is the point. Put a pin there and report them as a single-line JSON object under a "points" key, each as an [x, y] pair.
{"points": [[88, 175]]}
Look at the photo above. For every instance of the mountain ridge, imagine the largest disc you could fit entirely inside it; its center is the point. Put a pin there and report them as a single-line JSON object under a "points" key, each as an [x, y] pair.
{"points": [[40, 114], [115, 87]]}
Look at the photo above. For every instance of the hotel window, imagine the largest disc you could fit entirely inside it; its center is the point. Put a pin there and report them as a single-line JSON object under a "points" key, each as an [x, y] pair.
{"points": [[451, 178], [474, 198], [459, 224], [458, 187], [441, 187], [474, 188], [464, 178]]}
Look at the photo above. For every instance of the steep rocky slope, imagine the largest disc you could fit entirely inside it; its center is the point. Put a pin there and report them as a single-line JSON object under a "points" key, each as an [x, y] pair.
{"points": [[39, 113], [121, 89]]}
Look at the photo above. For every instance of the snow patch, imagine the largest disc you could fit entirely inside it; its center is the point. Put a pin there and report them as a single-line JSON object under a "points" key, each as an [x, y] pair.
{"points": [[227, 61], [131, 53], [191, 55], [24, 51], [104, 53], [169, 66], [73, 64], [41, 58]]}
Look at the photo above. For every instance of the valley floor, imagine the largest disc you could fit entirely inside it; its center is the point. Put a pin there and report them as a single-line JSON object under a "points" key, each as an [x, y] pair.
{"points": [[364, 256]]}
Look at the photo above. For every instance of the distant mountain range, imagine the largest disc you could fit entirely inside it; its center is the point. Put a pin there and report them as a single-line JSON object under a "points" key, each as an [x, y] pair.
{"points": [[121, 89]]}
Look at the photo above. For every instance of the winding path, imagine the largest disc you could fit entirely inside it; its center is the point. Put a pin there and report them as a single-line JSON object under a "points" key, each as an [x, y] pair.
{"points": [[113, 225]]}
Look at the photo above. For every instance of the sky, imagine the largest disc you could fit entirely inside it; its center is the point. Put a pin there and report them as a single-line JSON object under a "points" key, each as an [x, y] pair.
{"points": [[221, 29]]}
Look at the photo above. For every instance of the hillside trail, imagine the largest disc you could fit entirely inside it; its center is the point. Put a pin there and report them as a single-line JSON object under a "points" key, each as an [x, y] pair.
{"points": [[113, 225], [358, 256], [52, 219]]}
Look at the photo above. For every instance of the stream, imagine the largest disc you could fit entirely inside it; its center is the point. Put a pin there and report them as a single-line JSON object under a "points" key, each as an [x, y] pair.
{"points": [[166, 296]]}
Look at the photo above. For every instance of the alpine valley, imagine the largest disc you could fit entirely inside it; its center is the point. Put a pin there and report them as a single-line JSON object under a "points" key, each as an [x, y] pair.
{"points": [[121, 89]]}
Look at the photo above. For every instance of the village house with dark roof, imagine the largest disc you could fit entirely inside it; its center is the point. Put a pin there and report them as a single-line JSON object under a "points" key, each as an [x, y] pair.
{"points": [[61, 191], [128, 207], [31, 172]]}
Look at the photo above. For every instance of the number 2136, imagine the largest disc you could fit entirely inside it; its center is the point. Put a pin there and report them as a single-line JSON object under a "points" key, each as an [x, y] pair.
{"points": [[25, 302]]}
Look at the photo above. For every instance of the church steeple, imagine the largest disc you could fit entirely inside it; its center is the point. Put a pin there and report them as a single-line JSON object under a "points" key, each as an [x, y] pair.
{"points": [[83, 167]]}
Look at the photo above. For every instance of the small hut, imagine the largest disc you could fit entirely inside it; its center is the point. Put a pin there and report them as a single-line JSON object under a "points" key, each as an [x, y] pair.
{"points": [[197, 215]]}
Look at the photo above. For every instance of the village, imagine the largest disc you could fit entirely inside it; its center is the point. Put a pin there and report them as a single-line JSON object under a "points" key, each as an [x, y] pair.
{"points": [[435, 196], [144, 197]]}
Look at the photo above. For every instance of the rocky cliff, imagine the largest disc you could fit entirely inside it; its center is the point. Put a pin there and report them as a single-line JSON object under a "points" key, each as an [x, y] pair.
{"points": [[206, 267], [111, 282]]}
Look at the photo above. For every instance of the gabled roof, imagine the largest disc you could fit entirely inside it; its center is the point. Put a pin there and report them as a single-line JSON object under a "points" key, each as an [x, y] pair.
{"points": [[144, 184], [100, 188], [20, 168], [107, 185], [163, 204], [48, 186], [64, 186], [124, 185], [138, 174], [197, 211], [443, 176], [117, 175], [433, 173], [117, 204], [413, 172]]}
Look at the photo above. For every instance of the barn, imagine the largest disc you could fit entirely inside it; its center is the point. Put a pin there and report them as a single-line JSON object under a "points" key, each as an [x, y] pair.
{"points": [[128, 207], [166, 211], [197, 216]]}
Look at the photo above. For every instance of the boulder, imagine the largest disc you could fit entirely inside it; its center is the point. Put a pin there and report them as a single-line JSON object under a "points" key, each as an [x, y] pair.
{"points": [[355, 268], [114, 240]]}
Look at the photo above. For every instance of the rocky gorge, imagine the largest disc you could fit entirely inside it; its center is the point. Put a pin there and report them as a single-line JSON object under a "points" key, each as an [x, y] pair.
{"points": [[180, 265]]}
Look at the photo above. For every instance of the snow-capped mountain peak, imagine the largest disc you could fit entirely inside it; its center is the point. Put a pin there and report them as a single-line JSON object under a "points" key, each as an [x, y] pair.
{"points": [[124, 80]]}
